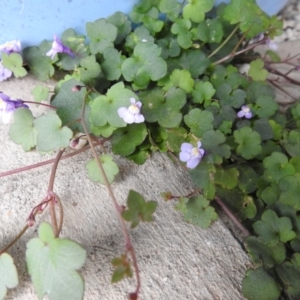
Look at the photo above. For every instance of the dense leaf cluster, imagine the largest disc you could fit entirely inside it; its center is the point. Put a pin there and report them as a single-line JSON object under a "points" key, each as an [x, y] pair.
{"points": [[179, 61]]}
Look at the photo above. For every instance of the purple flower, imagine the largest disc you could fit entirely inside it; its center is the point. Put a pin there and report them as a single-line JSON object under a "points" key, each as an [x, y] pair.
{"points": [[11, 47], [245, 112], [4, 73], [59, 47], [271, 44], [191, 155], [132, 114], [8, 106]]}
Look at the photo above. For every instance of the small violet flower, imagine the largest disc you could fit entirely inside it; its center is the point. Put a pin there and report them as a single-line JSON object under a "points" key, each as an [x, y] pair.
{"points": [[245, 112], [59, 47], [271, 44], [8, 106], [132, 114], [191, 155], [11, 47], [4, 73]]}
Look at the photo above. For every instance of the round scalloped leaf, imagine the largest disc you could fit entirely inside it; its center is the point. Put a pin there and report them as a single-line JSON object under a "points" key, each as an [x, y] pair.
{"points": [[163, 107], [210, 31], [213, 142], [249, 142], [104, 109], [13, 62], [102, 35], [112, 64], [291, 142], [40, 93], [272, 229], [170, 7], [110, 168], [258, 285], [289, 273], [125, 140], [182, 79], [8, 274], [257, 71], [290, 190], [144, 65], [123, 25], [227, 178], [195, 9], [51, 263], [40, 65], [263, 254], [266, 106], [51, 135], [198, 212], [203, 91], [277, 166], [88, 69], [184, 36], [199, 121], [69, 104], [22, 131]]}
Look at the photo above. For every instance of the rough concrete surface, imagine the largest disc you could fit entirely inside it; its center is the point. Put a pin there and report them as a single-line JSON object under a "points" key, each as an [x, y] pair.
{"points": [[177, 260]]}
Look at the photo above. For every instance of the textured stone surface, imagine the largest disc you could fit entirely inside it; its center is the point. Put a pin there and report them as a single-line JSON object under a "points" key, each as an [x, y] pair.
{"points": [[177, 260]]}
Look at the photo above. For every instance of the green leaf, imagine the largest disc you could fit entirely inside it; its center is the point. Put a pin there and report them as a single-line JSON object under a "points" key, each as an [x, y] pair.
{"points": [[247, 178], [69, 104], [102, 35], [22, 131], [227, 96], [249, 142], [40, 65], [277, 167], [275, 58], [195, 61], [289, 273], [125, 140], [270, 194], [257, 71], [121, 22], [258, 285], [272, 229], [202, 177], [213, 141], [88, 69], [8, 274], [169, 47], [290, 189], [252, 19], [104, 109], [181, 28], [109, 166], [210, 31], [265, 106], [195, 9], [227, 178], [291, 142], [163, 107], [139, 35], [138, 209], [198, 212], [264, 129], [14, 63], [264, 255], [112, 64], [182, 79], [199, 121], [40, 93], [203, 91], [51, 263], [144, 65], [51, 135], [77, 44], [170, 7], [176, 136], [122, 268]]}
